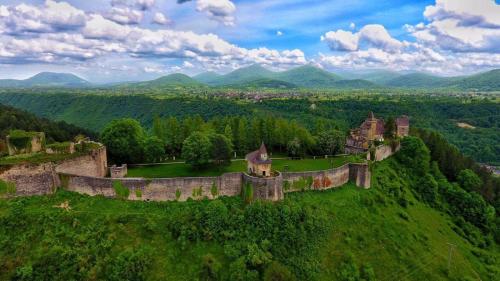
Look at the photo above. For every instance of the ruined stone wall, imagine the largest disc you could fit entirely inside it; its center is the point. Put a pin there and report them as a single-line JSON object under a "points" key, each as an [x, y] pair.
{"points": [[265, 188], [94, 164], [30, 179], [360, 174], [319, 180], [118, 172], [384, 151], [166, 189]]}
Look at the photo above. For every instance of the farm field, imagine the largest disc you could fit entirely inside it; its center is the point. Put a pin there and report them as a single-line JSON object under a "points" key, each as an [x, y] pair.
{"points": [[184, 170]]}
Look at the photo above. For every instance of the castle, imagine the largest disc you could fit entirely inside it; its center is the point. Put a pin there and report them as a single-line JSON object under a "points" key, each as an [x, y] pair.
{"points": [[371, 131], [87, 172]]}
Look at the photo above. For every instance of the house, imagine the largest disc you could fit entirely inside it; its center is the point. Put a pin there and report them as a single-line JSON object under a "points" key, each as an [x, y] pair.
{"points": [[259, 163]]}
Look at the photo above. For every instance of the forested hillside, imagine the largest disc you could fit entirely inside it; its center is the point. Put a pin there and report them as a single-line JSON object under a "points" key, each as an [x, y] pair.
{"points": [[481, 141], [11, 118], [406, 226]]}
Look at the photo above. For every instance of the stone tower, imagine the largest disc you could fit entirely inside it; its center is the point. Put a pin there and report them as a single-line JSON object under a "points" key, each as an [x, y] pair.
{"points": [[372, 121]]}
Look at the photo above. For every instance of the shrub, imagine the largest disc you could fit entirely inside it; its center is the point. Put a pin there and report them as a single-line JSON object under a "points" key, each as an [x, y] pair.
{"points": [[247, 193], [277, 272], [138, 193], [121, 191], [178, 194], [130, 265], [214, 190], [210, 268], [7, 187]]}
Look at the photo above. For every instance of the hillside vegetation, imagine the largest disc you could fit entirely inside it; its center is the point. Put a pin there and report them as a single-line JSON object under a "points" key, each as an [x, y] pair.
{"points": [[389, 232], [11, 118], [440, 114], [46, 79], [303, 77]]}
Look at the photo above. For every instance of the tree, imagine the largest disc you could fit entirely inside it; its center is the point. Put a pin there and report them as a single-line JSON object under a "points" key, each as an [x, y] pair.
{"points": [[469, 180], [330, 143], [228, 132], [154, 149], [124, 140], [415, 155], [196, 149], [221, 149], [390, 128], [277, 272], [294, 147]]}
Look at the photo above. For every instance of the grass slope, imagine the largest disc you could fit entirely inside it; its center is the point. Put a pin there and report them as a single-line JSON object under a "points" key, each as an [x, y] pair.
{"points": [[342, 234]]}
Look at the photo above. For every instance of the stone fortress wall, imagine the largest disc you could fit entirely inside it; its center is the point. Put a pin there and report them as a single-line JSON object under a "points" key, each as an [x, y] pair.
{"points": [[86, 175], [94, 164], [383, 151]]}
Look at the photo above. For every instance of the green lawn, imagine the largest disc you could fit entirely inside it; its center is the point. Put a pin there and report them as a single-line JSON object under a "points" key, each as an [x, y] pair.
{"points": [[184, 170]]}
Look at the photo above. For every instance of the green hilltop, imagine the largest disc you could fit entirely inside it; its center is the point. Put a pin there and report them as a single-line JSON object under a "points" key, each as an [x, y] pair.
{"points": [[47, 79], [256, 76], [397, 230]]}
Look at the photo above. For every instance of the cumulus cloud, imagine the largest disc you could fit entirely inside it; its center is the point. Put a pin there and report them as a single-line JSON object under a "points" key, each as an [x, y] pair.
{"points": [[98, 35], [124, 15], [461, 25], [219, 10], [161, 19], [460, 36], [279, 33], [352, 25], [139, 4], [51, 17], [374, 35]]}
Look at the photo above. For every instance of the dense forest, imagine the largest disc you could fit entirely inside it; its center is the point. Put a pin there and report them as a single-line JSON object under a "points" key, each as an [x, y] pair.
{"points": [[480, 139]]}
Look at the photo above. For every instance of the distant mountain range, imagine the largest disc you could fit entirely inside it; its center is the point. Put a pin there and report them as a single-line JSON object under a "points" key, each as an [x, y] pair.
{"points": [[46, 79], [256, 76]]}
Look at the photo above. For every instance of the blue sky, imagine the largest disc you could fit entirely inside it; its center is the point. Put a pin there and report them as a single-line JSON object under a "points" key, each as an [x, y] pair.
{"points": [[120, 40]]}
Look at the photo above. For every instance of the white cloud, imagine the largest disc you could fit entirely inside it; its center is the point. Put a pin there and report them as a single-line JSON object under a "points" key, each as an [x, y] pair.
{"points": [[219, 10], [187, 64], [154, 69], [341, 40], [461, 25], [374, 35], [160, 18], [279, 33], [98, 36], [352, 25], [51, 17], [124, 15], [460, 36], [140, 4]]}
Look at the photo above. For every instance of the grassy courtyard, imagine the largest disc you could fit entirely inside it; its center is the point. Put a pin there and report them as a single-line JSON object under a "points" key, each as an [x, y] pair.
{"points": [[184, 170]]}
